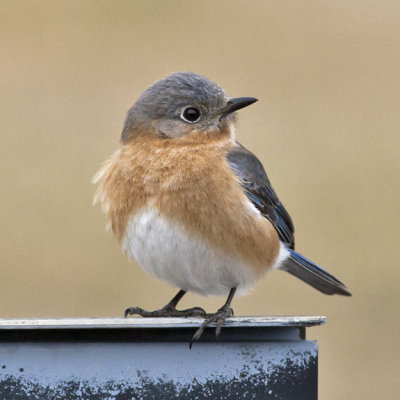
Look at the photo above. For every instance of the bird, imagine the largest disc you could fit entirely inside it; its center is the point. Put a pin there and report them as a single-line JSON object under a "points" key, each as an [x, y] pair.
{"points": [[194, 207]]}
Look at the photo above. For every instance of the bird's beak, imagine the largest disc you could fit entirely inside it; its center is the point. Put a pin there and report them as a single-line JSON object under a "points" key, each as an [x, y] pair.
{"points": [[236, 104]]}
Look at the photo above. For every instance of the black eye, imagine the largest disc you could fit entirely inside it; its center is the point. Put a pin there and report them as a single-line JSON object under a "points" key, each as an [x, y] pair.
{"points": [[191, 114]]}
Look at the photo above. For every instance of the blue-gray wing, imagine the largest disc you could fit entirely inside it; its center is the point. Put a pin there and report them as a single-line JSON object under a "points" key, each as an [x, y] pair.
{"points": [[258, 189]]}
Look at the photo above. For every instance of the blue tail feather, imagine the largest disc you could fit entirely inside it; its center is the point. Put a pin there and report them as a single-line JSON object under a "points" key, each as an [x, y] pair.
{"points": [[313, 274]]}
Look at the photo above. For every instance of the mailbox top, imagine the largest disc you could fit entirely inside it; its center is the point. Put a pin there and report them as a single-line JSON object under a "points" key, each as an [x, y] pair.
{"points": [[162, 323]]}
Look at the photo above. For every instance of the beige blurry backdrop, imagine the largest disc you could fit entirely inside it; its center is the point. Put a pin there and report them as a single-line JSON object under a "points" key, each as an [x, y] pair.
{"points": [[326, 128]]}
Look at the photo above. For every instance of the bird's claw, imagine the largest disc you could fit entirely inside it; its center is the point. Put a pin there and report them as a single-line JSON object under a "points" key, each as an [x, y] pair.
{"points": [[138, 311], [166, 312], [217, 318]]}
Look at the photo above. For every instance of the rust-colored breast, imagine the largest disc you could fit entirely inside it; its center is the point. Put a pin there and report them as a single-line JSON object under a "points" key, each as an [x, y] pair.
{"points": [[191, 183]]}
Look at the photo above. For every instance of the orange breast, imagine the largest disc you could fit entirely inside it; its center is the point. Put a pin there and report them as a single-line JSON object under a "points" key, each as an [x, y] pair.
{"points": [[190, 183]]}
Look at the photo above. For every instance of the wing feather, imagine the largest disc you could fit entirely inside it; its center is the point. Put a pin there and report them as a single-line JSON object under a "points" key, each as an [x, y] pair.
{"points": [[259, 191]]}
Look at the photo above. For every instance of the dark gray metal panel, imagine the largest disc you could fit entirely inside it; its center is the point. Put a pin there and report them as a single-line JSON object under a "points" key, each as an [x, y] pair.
{"points": [[149, 335], [103, 359], [93, 371]]}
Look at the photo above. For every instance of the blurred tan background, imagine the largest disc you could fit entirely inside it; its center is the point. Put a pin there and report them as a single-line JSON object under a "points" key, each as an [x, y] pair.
{"points": [[326, 128]]}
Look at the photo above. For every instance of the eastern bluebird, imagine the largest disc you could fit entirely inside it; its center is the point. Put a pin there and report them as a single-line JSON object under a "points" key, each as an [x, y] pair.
{"points": [[191, 205]]}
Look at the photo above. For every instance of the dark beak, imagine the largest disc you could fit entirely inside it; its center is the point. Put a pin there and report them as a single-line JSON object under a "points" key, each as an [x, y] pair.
{"points": [[237, 104]]}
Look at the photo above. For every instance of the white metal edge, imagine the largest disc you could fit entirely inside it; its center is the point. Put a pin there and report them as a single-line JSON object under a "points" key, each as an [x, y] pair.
{"points": [[110, 323]]}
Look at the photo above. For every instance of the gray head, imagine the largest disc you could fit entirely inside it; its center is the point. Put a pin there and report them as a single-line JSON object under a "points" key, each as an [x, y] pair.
{"points": [[180, 103]]}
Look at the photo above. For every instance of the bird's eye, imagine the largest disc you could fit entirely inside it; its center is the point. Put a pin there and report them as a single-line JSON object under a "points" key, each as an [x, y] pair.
{"points": [[191, 114]]}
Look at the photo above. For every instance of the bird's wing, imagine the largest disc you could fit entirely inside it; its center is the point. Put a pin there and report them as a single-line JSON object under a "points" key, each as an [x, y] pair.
{"points": [[259, 191]]}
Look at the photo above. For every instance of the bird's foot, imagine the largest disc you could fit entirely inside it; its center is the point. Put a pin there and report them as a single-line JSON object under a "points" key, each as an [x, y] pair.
{"points": [[217, 318], [167, 311]]}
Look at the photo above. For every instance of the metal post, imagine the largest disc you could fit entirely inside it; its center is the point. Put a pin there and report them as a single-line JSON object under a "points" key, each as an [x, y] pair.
{"points": [[126, 359]]}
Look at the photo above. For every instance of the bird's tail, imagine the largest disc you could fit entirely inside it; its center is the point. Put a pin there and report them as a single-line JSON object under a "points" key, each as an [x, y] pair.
{"points": [[312, 274]]}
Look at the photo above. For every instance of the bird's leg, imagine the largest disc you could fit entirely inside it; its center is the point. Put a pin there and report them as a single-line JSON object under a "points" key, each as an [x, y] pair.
{"points": [[218, 318], [168, 310]]}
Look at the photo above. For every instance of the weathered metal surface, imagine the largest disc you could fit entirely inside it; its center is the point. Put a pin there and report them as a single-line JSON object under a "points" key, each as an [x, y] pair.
{"points": [[98, 360], [93, 323]]}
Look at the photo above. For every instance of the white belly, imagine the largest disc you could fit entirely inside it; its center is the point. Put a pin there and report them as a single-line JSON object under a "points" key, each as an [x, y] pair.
{"points": [[163, 249]]}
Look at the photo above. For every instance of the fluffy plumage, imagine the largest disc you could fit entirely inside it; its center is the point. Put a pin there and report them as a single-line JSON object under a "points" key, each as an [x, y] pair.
{"points": [[192, 196], [190, 204]]}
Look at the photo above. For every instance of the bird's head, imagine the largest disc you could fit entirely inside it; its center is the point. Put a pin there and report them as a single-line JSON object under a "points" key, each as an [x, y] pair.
{"points": [[180, 104]]}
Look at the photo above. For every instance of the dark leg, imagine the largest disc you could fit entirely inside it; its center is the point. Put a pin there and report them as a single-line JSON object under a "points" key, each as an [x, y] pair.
{"points": [[218, 318], [169, 310]]}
